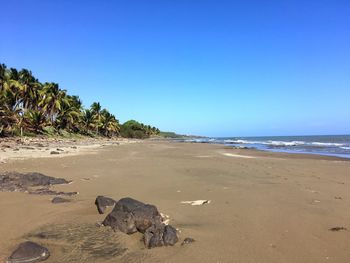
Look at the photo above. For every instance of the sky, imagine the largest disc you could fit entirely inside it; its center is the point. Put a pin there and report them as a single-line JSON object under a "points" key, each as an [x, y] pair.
{"points": [[213, 68]]}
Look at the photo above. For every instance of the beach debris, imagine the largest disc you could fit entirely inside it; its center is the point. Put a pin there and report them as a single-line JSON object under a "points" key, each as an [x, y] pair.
{"points": [[165, 219], [29, 252], [58, 200], [317, 201], [103, 202], [130, 216], [187, 240], [196, 202], [338, 197], [20, 182], [54, 152], [338, 228]]}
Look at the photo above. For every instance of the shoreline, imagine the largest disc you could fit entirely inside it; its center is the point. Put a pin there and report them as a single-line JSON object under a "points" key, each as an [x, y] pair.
{"points": [[17, 148], [325, 145]]}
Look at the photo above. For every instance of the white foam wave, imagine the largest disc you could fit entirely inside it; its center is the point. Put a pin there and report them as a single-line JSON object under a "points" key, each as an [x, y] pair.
{"points": [[345, 148], [283, 143], [327, 144]]}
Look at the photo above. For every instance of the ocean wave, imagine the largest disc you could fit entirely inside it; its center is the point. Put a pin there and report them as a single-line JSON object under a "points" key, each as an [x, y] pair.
{"points": [[325, 144], [345, 148], [272, 143], [244, 142], [284, 143]]}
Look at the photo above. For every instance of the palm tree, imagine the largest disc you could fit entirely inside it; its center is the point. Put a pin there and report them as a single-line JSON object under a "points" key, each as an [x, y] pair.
{"points": [[87, 121], [34, 120], [53, 99], [110, 125], [68, 118], [96, 111], [30, 89], [26, 103]]}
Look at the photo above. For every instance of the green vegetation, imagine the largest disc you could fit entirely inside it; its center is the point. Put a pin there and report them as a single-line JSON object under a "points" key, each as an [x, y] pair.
{"points": [[29, 107], [172, 135], [134, 129]]}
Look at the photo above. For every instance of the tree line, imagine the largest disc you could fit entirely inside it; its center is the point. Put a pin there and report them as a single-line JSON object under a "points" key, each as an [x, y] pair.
{"points": [[29, 107]]}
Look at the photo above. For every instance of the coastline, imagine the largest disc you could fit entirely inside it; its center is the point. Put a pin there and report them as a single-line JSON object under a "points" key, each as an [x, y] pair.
{"points": [[325, 145], [273, 207]]}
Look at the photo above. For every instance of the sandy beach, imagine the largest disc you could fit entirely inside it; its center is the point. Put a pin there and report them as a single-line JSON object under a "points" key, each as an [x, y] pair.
{"points": [[264, 207]]}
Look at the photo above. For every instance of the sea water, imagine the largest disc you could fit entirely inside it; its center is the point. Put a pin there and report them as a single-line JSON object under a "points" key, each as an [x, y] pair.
{"points": [[330, 145]]}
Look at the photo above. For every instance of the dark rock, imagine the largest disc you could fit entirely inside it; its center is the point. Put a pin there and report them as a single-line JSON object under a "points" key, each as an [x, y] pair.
{"points": [[145, 215], [130, 215], [338, 228], [187, 240], [29, 252], [58, 149], [122, 221], [58, 200], [103, 202], [21, 182], [153, 236], [170, 236], [54, 152], [160, 235], [46, 191]]}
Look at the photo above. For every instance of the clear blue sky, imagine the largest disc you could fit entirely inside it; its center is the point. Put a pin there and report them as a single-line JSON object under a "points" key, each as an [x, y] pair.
{"points": [[215, 68]]}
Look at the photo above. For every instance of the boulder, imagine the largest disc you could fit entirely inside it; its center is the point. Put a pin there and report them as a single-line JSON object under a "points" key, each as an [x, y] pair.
{"points": [[142, 215], [130, 216], [29, 252], [145, 215], [103, 202]]}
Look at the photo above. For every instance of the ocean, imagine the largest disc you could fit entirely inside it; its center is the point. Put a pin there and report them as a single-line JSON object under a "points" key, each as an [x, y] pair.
{"points": [[330, 145]]}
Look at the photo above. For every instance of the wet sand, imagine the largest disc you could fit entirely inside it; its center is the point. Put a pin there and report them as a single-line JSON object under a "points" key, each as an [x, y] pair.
{"points": [[270, 207]]}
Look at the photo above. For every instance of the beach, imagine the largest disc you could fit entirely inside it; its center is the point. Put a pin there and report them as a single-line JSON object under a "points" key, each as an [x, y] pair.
{"points": [[264, 206]]}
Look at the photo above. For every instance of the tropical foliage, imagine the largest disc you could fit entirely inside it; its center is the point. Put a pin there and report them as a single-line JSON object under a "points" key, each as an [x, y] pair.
{"points": [[134, 129], [28, 106]]}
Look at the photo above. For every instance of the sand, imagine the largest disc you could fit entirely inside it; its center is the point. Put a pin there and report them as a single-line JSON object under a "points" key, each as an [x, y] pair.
{"points": [[271, 208]]}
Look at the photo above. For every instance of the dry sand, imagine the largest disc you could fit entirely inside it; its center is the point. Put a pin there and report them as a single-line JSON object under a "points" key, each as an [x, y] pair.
{"points": [[270, 208]]}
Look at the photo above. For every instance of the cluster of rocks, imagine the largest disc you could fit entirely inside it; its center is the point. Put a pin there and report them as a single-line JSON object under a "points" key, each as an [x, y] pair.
{"points": [[130, 216]]}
